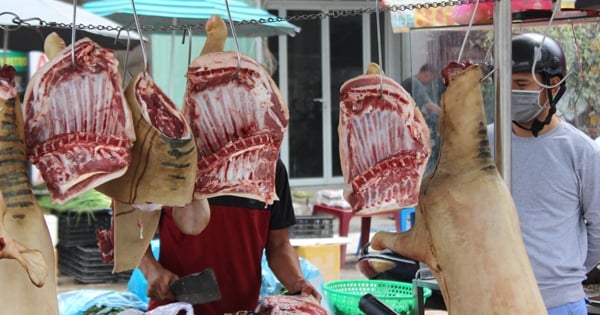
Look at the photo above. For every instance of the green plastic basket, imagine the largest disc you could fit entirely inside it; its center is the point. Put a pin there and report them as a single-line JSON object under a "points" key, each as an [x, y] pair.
{"points": [[344, 295]]}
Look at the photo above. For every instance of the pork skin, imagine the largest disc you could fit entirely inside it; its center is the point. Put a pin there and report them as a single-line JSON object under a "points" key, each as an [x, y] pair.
{"points": [[467, 228], [27, 261]]}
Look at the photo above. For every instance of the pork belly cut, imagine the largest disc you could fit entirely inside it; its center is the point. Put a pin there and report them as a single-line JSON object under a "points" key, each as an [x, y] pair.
{"points": [[238, 119], [78, 127], [384, 144]]}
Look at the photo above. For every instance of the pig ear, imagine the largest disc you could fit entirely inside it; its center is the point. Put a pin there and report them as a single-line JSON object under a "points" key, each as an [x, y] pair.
{"points": [[32, 260], [35, 265], [216, 35], [53, 45], [374, 68]]}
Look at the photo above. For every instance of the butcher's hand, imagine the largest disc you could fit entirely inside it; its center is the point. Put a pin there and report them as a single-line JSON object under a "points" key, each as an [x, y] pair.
{"points": [[158, 278], [305, 288], [158, 284]]}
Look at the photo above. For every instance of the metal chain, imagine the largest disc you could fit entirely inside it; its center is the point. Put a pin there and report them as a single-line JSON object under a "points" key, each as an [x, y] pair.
{"points": [[38, 22]]}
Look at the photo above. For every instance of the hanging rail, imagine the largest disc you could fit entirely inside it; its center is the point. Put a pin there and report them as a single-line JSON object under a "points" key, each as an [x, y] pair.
{"points": [[37, 22]]}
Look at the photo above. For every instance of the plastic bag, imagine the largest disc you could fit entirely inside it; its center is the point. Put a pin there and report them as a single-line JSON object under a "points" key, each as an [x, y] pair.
{"points": [[272, 286], [79, 301], [169, 309]]}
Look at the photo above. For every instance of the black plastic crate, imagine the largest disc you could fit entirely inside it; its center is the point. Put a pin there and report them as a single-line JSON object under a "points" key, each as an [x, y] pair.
{"points": [[79, 228], [312, 226], [84, 263]]}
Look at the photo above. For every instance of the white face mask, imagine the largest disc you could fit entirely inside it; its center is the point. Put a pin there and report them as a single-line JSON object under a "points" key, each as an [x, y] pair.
{"points": [[525, 105]]}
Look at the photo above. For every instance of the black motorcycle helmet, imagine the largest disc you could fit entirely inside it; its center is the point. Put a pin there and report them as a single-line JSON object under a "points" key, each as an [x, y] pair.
{"points": [[551, 63]]}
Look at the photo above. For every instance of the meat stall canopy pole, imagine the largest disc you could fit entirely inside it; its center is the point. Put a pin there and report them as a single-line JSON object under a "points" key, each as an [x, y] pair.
{"points": [[502, 78]]}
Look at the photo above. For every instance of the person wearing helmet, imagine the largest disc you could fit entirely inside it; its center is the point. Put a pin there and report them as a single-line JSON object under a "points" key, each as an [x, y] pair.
{"points": [[534, 98], [555, 182]]}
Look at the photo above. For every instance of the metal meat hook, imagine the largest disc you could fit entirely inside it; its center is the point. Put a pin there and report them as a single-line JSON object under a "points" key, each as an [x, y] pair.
{"points": [[188, 31], [464, 43], [538, 52], [125, 62], [380, 59], [235, 38], [73, 30], [139, 30]]}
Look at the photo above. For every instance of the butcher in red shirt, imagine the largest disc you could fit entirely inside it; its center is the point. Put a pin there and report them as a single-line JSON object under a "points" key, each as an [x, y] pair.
{"points": [[231, 244]]}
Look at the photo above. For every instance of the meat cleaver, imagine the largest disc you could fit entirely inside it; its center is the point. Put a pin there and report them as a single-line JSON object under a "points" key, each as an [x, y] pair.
{"points": [[197, 288]]}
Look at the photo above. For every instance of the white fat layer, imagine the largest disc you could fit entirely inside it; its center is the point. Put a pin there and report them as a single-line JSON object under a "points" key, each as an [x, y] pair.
{"points": [[95, 183]]}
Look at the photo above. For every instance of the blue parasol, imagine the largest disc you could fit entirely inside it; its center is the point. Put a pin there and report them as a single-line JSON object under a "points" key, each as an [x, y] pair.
{"points": [[168, 15]]}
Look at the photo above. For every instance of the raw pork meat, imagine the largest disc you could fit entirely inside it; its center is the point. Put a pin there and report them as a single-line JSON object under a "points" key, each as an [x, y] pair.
{"points": [[290, 304], [162, 172], [27, 261], [78, 127], [238, 118], [384, 144], [467, 228], [164, 156]]}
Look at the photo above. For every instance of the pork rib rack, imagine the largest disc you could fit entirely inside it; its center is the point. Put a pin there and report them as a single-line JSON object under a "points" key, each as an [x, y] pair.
{"points": [[384, 144], [238, 119], [78, 127]]}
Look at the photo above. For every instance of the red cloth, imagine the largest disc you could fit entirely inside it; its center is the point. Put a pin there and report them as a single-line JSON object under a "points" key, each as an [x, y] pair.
{"points": [[231, 245]]}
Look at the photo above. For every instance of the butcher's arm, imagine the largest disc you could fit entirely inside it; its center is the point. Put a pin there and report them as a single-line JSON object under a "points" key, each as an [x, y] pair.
{"points": [[158, 278], [283, 261], [590, 201], [192, 218]]}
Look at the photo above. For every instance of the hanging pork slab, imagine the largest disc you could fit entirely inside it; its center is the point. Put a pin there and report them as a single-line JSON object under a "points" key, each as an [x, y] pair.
{"points": [[27, 260], [130, 235], [384, 144], [78, 127], [162, 172], [467, 228], [238, 119], [164, 156]]}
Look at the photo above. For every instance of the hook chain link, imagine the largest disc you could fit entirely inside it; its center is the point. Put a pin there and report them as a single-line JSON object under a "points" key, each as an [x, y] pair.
{"points": [[36, 22]]}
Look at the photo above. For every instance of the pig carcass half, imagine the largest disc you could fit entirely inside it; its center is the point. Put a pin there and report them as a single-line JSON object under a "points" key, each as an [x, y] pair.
{"points": [[78, 128], [238, 118], [467, 228], [162, 172], [384, 144], [27, 264]]}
